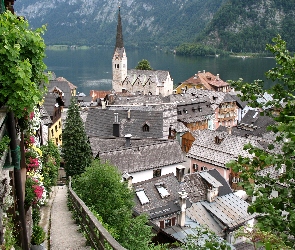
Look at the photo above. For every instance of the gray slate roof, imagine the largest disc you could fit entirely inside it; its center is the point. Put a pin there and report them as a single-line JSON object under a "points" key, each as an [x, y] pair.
{"points": [[155, 154], [215, 97], [158, 206], [230, 210], [197, 186], [99, 123], [205, 149], [49, 102], [65, 87], [155, 76]]}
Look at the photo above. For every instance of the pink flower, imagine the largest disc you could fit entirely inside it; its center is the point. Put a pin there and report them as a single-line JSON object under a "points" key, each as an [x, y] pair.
{"points": [[31, 115], [38, 191], [32, 139]]}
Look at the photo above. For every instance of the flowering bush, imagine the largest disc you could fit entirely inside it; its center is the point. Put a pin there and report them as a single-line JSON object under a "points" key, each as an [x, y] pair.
{"points": [[34, 191]]}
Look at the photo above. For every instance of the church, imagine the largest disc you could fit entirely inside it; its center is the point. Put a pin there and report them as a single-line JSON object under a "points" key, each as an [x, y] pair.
{"points": [[146, 82]]}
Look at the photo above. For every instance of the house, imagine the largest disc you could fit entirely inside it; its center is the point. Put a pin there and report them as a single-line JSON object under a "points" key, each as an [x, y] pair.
{"points": [[204, 80], [52, 107], [223, 105], [194, 112], [147, 82], [253, 125], [213, 149], [142, 159], [68, 90], [148, 121], [214, 204]]}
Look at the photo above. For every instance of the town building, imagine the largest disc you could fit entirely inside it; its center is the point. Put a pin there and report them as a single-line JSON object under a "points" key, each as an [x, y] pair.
{"points": [[213, 149], [147, 82], [142, 159], [203, 80], [223, 105]]}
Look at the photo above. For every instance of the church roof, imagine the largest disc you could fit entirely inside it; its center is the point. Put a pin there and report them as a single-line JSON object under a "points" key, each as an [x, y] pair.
{"points": [[119, 36], [155, 76]]}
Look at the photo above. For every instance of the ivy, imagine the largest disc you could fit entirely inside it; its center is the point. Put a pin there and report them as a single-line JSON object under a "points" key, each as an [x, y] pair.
{"points": [[22, 78], [4, 143]]}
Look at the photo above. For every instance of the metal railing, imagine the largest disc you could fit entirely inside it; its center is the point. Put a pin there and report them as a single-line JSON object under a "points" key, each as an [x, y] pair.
{"points": [[98, 237]]}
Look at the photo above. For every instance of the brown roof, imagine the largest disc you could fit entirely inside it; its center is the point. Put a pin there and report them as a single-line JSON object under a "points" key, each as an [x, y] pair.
{"points": [[98, 94], [207, 79], [62, 79]]}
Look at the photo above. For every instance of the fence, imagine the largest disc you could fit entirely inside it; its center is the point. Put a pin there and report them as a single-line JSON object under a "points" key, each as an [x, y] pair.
{"points": [[98, 237]]}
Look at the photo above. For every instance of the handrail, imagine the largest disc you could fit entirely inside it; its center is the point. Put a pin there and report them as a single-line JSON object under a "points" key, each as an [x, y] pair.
{"points": [[99, 238]]}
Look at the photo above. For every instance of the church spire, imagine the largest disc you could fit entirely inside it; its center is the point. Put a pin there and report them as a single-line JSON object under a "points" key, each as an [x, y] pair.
{"points": [[119, 37]]}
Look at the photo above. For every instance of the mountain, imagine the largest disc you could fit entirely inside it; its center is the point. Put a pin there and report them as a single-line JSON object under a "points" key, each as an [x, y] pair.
{"points": [[248, 26], [145, 23]]}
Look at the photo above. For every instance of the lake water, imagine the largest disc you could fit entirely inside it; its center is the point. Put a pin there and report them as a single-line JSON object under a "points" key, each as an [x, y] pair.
{"points": [[92, 68]]}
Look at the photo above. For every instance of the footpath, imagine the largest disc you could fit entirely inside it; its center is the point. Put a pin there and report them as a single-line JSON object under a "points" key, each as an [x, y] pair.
{"points": [[57, 221]]}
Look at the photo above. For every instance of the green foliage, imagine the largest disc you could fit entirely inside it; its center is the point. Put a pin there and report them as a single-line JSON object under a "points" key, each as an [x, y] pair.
{"points": [[144, 65], [38, 235], [4, 144], [191, 49], [101, 188], [29, 192], [240, 26], [22, 68], [76, 149], [277, 214], [36, 215], [9, 234], [50, 164], [261, 238], [206, 240]]}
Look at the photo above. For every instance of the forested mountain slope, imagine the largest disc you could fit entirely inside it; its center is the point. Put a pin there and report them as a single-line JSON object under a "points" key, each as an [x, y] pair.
{"points": [[145, 23], [247, 26]]}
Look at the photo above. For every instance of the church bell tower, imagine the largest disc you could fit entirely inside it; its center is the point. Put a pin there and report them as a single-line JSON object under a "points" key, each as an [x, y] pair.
{"points": [[119, 62]]}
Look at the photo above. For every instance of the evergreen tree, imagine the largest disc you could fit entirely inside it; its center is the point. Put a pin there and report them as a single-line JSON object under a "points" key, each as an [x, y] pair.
{"points": [[76, 149]]}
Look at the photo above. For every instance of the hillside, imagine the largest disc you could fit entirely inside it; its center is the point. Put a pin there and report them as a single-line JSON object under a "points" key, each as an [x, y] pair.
{"points": [[246, 26], [145, 23]]}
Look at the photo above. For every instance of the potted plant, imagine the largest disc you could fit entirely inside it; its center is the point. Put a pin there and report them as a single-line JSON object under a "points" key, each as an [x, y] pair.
{"points": [[38, 237]]}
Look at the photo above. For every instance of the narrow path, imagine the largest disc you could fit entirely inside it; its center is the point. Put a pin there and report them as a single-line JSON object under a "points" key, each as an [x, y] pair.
{"points": [[64, 234]]}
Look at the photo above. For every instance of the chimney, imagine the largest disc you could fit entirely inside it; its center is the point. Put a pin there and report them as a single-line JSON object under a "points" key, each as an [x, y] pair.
{"points": [[116, 126], [182, 203], [204, 71], [217, 77], [128, 114], [212, 193], [128, 138], [128, 178], [229, 130]]}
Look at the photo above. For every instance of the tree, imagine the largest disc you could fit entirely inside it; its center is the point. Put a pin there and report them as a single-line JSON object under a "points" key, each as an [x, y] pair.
{"points": [[102, 190], [22, 77], [76, 149], [276, 214], [144, 65]]}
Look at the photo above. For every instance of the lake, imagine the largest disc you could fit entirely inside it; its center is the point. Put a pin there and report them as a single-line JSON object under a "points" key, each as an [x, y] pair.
{"points": [[92, 68]]}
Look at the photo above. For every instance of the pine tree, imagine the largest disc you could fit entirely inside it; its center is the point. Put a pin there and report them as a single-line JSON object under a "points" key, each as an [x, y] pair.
{"points": [[76, 149]]}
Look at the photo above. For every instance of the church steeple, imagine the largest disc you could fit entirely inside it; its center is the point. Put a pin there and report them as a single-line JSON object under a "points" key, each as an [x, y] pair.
{"points": [[119, 37], [119, 61]]}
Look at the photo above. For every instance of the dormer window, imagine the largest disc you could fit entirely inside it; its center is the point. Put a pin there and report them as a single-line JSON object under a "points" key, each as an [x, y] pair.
{"points": [[156, 173], [163, 192], [179, 112], [200, 109], [145, 128], [142, 196]]}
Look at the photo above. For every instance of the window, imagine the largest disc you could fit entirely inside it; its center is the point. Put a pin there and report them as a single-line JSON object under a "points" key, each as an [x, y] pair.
{"points": [[60, 137], [59, 124], [204, 168], [56, 141], [52, 133], [157, 173], [179, 112], [195, 167], [55, 128], [162, 190], [167, 223], [142, 196], [145, 128]]}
